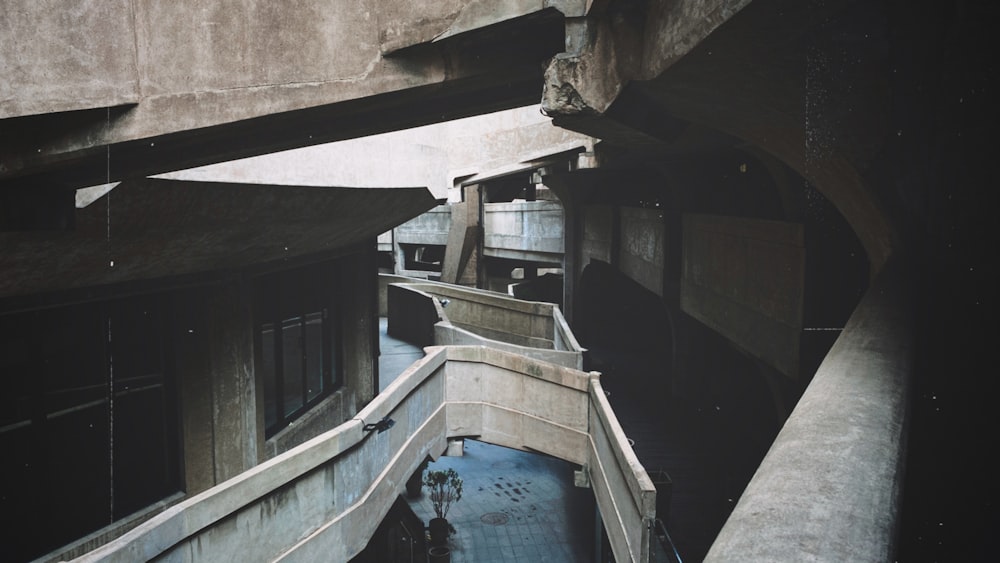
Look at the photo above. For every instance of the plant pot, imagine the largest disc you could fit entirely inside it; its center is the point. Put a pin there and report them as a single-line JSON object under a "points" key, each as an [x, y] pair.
{"points": [[438, 528], [439, 554]]}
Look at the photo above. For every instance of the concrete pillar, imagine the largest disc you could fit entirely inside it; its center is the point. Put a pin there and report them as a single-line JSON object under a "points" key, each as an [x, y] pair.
{"points": [[222, 424], [238, 436], [463, 256], [359, 327]]}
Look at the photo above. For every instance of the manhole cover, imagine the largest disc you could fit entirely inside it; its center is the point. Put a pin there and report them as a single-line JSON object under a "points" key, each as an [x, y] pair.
{"points": [[494, 518]]}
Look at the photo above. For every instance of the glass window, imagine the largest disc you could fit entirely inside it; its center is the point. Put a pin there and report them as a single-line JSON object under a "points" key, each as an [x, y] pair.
{"points": [[296, 341], [292, 364], [314, 355], [270, 378]]}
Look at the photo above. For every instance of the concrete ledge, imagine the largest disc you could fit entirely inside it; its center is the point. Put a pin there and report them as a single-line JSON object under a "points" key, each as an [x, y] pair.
{"points": [[829, 488]]}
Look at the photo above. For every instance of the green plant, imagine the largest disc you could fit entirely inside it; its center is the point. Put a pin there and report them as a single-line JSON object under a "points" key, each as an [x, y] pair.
{"points": [[445, 487]]}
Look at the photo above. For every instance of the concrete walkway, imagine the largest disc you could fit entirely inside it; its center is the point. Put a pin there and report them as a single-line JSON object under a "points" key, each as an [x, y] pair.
{"points": [[516, 506], [394, 356]]}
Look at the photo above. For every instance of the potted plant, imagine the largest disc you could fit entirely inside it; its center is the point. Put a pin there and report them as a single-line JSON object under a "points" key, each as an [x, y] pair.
{"points": [[444, 487]]}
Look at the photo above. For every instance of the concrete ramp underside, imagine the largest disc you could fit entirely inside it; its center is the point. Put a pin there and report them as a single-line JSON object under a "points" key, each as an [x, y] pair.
{"points": [[154, 229]]}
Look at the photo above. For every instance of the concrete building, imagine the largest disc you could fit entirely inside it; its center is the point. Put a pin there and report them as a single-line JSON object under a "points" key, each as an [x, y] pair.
{"points": [[784, 215]]}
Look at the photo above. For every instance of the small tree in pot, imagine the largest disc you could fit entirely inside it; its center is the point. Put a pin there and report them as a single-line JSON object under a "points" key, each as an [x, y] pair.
{"points": [[444, 487]]}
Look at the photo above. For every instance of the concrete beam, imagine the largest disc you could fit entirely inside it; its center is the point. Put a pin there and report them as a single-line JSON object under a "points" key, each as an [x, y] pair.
{"points": [[207, 82]]}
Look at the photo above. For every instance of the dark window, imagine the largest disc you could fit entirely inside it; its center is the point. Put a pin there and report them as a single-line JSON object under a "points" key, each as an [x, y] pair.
{"points": [[297, 341], [89, 430]]}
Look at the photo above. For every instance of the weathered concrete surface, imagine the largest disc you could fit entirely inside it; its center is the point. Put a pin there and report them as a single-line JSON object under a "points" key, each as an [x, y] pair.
{"points": [[238, 431], [434, 155], [209, 82], [829, 489], [745, 279], [642, 246], [531, 230], [617, 477], [597, 239], [461, 263], [427, 228], [161, 228], [607, 52], [404, 25], [58, 56], [760, 71]]}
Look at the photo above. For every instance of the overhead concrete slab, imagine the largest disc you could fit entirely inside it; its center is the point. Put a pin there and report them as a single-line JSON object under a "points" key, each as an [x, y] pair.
{"points": [[49, 65], [212, 81], [153, 228]]}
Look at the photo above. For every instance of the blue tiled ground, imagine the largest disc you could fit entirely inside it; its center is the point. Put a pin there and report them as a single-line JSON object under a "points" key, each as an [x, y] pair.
{"points": [[516, 506]]}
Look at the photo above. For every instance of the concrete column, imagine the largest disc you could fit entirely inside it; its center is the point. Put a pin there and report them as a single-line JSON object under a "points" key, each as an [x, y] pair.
{"points": [[191, 357], [571, 255], [463, 256], [238, 438], [222, 424]]}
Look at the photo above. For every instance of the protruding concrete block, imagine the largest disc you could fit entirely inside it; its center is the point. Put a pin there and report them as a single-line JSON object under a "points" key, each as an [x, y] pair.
{"points": [[456, 447]]}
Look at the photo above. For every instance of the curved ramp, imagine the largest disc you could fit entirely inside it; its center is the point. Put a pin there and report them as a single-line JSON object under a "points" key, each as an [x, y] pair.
{"points": [[324, 499]]}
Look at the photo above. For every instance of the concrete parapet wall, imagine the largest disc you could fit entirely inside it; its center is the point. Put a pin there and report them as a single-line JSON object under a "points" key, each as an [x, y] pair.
{"points": [[323, 499], [829, 488], [526, 230], [430, 227], [624, 491], [643, 243], [416, 313]]}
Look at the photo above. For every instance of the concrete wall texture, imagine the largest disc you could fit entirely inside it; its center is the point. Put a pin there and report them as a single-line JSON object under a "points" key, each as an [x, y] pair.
{"points": [[746, 279]]}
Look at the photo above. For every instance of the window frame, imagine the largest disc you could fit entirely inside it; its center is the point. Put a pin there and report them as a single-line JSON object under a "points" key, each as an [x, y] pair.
{"points": [[297, 294]]}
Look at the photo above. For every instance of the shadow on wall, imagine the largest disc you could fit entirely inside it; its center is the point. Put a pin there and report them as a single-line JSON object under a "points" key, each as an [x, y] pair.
{"points": [[625, 328]]}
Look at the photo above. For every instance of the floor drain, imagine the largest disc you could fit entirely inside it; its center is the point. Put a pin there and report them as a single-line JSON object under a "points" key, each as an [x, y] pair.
{"points": [[503, 465], [494, 518]]}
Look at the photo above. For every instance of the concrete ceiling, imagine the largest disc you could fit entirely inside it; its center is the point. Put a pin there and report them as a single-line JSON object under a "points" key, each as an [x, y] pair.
{"points": [[156, 229]]}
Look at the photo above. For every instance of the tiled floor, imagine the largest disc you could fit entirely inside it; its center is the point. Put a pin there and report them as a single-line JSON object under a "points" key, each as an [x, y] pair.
{"points": [[515, 506]]}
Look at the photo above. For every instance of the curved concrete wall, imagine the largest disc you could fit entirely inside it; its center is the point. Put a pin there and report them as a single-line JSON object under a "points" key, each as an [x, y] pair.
{"points": [[324, 499], [477, 317]]}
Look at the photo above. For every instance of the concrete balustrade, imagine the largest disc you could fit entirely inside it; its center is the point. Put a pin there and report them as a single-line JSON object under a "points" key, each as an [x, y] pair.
{"points": [[829, 488], [324, 499], [524, 230], [476, 317]]}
